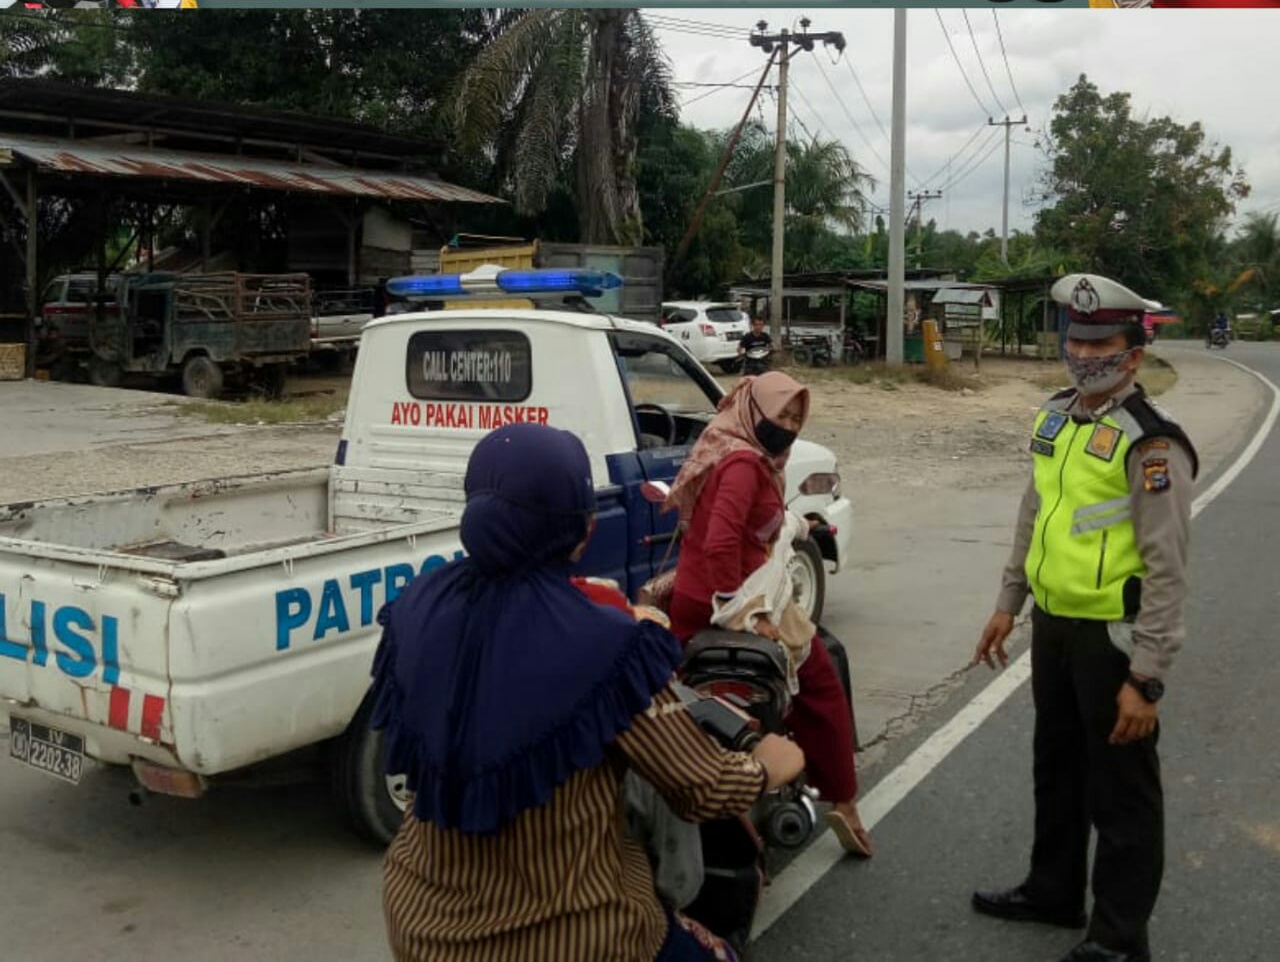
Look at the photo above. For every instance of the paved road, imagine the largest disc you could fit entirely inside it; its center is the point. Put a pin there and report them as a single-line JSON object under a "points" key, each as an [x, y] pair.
{"points": [[259, 873], [969, 821]]}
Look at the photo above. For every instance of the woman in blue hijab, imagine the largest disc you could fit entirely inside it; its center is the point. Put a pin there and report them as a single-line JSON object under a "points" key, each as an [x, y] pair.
{"points": [[514, 706]]}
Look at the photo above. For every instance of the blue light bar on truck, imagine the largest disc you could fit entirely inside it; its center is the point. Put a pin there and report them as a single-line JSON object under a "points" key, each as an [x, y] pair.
{"points": [[539, 281]]}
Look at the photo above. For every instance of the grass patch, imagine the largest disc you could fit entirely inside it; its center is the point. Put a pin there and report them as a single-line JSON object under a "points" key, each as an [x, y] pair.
{"points": [[317, 407], [1157, 375], [949, 379], [874, 373]]}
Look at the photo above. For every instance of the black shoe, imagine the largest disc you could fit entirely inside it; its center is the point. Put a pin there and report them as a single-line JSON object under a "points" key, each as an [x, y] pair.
{"points": [[1013, 904], [1089, 951]]}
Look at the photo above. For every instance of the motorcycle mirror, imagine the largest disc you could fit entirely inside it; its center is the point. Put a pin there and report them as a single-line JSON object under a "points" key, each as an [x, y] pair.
{"points": [[655, 492]]}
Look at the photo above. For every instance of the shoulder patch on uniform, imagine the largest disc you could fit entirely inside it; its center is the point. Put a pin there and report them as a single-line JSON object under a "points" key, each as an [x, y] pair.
{"points": [[1155, 474], [1041, 446], [1155, 444], [1052, 425], [1103, 442]]}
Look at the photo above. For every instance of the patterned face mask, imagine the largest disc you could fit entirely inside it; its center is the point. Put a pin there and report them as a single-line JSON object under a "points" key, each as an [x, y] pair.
{"points": [[1097, 375]]}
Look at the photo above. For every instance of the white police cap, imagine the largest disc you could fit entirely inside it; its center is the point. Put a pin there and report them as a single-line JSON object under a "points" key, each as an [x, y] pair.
{"points": [[1098, 307]]}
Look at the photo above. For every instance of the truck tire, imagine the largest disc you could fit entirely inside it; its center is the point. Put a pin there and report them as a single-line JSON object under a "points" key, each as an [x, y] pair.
{"points": [[809, 579], [372, 803], [104, 373], [201, 378], [271, 380]]}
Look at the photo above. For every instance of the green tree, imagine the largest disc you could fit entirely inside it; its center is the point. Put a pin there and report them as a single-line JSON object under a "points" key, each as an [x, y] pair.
{"points": [[555, 88], [676, 164], [1143, 201], [826, 200], [88, 47]]}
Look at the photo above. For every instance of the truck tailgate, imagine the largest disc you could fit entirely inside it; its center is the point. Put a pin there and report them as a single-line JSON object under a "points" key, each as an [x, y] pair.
{"points": [[217, 665], [86, 649]]}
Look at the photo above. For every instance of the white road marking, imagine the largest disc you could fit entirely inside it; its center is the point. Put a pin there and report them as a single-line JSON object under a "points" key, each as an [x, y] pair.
{"points": [[819, 858]]}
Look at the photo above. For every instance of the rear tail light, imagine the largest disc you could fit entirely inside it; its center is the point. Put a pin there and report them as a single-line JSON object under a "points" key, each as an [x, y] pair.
{"points": [[707, 329], [168, 781], [821, 483], [740, 693]]}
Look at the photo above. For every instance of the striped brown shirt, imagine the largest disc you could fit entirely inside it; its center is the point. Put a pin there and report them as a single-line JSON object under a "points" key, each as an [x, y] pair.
{"points": [[564, 882]]}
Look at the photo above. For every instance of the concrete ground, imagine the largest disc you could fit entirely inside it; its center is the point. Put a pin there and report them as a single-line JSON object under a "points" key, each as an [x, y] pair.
{"points": [[267, 873]]}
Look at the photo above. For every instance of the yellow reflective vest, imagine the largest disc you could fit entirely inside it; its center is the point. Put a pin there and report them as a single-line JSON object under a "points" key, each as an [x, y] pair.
{"points": [[1084, 561]]}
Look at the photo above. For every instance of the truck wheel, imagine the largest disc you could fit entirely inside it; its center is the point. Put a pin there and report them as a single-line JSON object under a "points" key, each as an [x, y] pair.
{"points": [[271, 381], [104, 373], [201, 378], [809, 579], [372, 802]]}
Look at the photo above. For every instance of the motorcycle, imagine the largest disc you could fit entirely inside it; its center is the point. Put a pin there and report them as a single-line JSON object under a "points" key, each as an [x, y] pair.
{"points": [[757, 360], [812, 352], [734, 684], [1218, 337]]}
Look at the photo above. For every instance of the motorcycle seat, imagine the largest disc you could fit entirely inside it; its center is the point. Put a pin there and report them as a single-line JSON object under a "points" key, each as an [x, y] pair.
{"points": [[717, 648]]}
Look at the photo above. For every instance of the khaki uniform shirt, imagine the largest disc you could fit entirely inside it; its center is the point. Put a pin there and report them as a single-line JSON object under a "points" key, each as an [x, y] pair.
{"points": [[1161, 524]]}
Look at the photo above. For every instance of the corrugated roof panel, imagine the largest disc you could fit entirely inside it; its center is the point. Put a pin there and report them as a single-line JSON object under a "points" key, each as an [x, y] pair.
{"points": [[122, 160]]}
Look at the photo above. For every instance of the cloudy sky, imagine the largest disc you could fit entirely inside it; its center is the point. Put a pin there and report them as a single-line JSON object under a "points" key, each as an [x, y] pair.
{"points": [[1216, 66]]}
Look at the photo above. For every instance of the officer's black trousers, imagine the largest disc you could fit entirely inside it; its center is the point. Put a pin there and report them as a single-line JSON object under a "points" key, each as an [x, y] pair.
{"points": [[1080, 780]]}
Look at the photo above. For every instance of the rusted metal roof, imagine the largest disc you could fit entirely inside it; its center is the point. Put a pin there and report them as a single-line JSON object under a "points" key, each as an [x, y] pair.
{"points": [[49, 101], [123, 160]]}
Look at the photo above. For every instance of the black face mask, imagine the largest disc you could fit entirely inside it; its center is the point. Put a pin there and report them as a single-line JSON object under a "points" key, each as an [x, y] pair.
{"points": [[773, 437]]}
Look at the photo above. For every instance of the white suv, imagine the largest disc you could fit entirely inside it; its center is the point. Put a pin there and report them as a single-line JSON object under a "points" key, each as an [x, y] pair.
{"points": [[710, 330]]}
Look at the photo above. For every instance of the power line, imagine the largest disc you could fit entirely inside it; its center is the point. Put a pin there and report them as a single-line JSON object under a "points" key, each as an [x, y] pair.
{"points": [[1005, 55], [983, 64], [951, 161], [701, 28], [956, 57], [856, 126], [865, 99], [718, 87], [991, 146], [812, 110]]}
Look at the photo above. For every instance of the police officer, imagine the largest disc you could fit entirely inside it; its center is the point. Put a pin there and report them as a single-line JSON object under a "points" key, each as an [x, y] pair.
{"points": [[1101, 545]]}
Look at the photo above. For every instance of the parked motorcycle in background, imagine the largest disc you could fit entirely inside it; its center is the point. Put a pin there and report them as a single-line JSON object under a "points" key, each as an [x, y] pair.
{"points": [[757, 360]]}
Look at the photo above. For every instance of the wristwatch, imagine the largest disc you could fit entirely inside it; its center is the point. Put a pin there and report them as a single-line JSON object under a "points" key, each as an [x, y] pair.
{"points": [[1152, 689]]}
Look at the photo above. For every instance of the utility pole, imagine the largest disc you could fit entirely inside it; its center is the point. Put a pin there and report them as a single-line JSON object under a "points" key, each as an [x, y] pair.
{"points": [[897, 184], [711, 191], [918, 198], [1008, 126], [784, 41]]}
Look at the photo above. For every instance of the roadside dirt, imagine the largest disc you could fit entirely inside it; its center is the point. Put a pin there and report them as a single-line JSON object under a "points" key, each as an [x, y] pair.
{"points": [[915, 435], [883, 432]]}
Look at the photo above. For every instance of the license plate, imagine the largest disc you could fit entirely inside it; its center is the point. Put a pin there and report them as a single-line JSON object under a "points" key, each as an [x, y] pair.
{"points": [[46, 749], [734, 335]]}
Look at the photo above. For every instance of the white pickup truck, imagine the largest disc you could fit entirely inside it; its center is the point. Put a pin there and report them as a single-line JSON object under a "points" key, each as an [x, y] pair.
{"points": [[195, 629]]}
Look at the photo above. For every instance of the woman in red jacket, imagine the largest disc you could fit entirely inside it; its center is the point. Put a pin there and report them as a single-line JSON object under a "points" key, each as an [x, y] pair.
{"points": [[730, 497]]}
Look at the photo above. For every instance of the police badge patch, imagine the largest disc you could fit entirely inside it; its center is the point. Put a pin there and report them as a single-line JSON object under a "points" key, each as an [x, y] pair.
{"points": [[1052, 425], [1102, 444], [1155, 474]]}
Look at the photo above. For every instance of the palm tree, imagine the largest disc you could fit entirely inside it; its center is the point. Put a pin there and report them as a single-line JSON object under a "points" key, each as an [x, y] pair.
{"points": [[826, 194], [561, 87]]}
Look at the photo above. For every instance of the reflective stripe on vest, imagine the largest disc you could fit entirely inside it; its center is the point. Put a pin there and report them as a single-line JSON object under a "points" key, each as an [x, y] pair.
{"points": [[1083, 549]]}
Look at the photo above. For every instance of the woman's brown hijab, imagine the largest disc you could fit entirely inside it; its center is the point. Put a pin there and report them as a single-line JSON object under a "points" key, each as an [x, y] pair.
{"points": [[734, 429]]}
